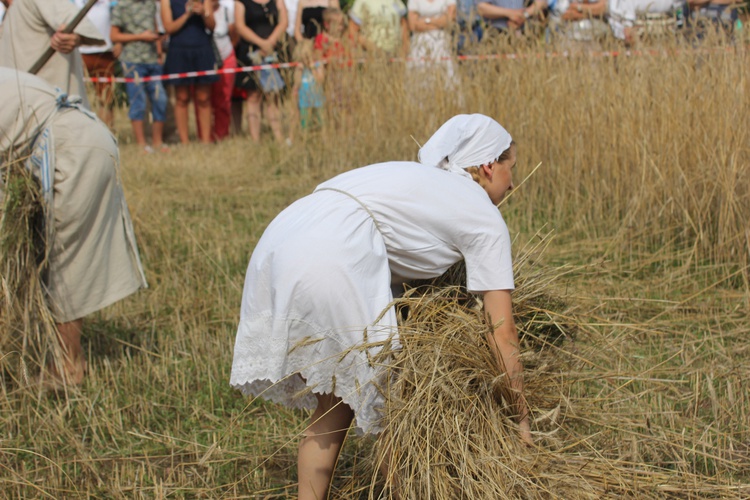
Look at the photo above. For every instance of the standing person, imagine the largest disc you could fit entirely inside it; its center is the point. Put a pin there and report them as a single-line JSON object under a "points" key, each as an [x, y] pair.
{"points": [[309, 77], [573, 25], [318, 287], [309, 20], [430, 22], [502, 16], [134, 26], [261, 26], [291, 12], [470, 29], [632, 19], [225, 38], [93, 258], [335, 48], [332, 44], [719, 16], [189, 26], [379, 26], [30, 27], [100, 60]]}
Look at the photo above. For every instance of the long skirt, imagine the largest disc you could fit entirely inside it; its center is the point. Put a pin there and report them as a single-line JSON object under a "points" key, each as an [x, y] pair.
{"points": [[93, 257]]}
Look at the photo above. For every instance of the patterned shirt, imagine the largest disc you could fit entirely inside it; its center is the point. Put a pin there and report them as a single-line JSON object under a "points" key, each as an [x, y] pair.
{"points": [[380, 21], [133, 17]]}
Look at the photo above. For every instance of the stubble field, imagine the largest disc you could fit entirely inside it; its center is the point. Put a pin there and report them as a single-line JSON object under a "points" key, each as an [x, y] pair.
{"points": [[641, 202]]}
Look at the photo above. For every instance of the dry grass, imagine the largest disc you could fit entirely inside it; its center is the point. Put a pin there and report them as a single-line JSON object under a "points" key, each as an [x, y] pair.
{"points": [[644, 183], [450, 433], [27, 336]]}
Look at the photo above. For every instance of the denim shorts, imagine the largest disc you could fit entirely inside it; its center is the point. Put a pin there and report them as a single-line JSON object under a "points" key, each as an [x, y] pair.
{"points": [[137, 91]]}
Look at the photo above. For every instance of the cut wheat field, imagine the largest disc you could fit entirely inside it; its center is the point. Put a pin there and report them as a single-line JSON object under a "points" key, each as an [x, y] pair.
{"points": [[632, 243]]}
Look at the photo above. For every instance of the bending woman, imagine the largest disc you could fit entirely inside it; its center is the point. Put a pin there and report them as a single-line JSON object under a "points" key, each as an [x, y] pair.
{"points": [[318, 284], [93, 259]]}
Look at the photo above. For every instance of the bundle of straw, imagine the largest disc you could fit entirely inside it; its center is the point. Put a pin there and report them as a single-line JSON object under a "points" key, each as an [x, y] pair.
{"points": [[27, 330], [449, 429]]}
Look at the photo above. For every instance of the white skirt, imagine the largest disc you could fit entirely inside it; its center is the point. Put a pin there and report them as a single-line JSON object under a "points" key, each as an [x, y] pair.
{"points": [[316, 297]]}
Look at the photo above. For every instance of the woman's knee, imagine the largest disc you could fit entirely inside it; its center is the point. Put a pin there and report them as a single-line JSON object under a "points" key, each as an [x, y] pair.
{"points": [[203, 96], [182, 95], [254, 98]]}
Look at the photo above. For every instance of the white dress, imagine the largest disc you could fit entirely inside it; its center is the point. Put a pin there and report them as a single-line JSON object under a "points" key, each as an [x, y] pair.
{"points": [[428, 48], [318, 284]]}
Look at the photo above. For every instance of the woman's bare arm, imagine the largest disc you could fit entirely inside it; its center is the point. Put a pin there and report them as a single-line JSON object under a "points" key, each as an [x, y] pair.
{"points": [[498, 307], [242, 30], [489, 11], [172, 25]]}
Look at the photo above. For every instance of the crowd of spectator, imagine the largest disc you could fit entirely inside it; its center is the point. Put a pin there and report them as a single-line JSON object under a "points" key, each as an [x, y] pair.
{"points": [[154, 37]]}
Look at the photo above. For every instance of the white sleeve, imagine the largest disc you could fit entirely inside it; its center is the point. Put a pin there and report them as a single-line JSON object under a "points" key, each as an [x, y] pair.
{"points": [[487, 253]]}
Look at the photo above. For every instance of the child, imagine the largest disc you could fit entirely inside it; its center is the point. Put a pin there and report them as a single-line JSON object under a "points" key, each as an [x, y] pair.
{"points": [[308, 86], [329, 44], [334, 47], [134, 25]]}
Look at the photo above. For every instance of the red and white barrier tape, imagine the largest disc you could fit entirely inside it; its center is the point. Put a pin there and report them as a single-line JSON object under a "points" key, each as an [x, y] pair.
{"points": [[190, 74], [487, 57]]}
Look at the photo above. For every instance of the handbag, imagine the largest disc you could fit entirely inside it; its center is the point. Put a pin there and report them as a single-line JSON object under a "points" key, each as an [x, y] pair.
{"points": [[270, 79]]}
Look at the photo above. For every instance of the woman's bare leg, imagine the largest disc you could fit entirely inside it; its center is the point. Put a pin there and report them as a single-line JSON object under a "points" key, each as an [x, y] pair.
{"points": [[73, 362], [182, 96], [386, 470], [253, 105], [319, 449], [203, 112], [273, 113]]}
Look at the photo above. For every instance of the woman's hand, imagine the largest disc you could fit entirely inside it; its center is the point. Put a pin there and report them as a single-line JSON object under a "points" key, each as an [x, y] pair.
{"points": [[516, 17], [429, 23], [266, 46], [198, 8], [573, 14], [504, 344]]}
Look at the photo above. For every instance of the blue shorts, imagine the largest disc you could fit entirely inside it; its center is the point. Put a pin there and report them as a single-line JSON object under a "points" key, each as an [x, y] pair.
{"points": [[137, 91]]}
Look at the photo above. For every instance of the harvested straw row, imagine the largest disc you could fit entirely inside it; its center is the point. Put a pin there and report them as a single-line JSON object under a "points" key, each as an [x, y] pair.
{"points": [[449, 432], [27, 330]]}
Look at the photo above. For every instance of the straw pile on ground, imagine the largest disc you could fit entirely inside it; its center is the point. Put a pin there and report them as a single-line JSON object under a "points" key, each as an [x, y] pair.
{"points": [[27, 330], [449, 433]]}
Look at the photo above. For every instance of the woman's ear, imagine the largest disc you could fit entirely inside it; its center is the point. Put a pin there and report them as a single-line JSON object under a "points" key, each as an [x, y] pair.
{"points": [[487, 169]]}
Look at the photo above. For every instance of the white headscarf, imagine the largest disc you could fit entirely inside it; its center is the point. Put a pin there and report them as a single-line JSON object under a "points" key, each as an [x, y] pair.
{"points": [[467, 141]]}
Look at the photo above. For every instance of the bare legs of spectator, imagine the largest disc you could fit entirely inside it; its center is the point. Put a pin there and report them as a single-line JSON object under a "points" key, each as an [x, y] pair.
{"points": [[253, 105], [182, 99], [273, 113], [157, 132], [203, 107]]}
